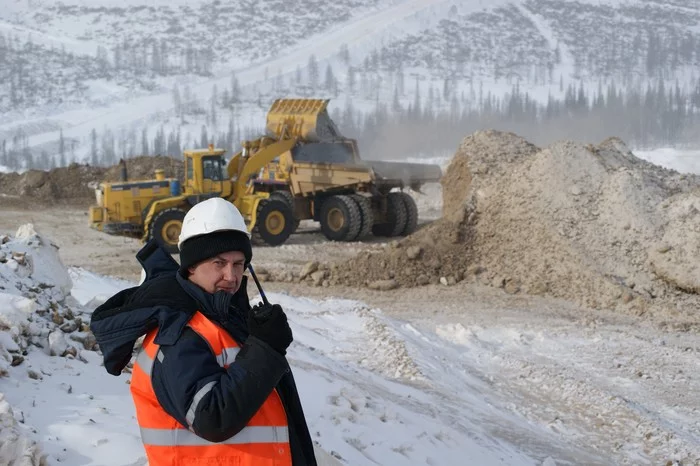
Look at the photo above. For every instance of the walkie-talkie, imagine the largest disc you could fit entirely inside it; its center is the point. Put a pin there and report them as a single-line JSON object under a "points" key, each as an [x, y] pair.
{"points": [[260, 313]]}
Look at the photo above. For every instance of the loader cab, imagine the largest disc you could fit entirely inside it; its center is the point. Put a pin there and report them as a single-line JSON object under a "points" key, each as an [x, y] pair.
{"points": [[205, 172]]}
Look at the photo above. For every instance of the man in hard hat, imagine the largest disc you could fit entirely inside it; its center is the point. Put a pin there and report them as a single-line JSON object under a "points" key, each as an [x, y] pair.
{"points": [[211, 383]]}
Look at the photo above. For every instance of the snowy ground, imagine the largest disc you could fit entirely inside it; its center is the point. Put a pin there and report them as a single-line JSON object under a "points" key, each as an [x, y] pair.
{"points": [[375, 390], [682, 160]]}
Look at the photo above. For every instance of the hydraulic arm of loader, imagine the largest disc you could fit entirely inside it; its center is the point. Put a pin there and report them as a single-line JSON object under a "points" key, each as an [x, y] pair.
{"points": [[243, 164]]}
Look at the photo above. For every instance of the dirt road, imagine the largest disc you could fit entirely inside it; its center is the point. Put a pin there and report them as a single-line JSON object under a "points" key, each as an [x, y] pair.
{"points": [[614, 385], [81, 246]]}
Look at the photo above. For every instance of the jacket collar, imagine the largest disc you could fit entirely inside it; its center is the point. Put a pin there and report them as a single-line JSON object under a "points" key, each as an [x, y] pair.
{"points": [[228, 310], [213, 305], [155, 260]]}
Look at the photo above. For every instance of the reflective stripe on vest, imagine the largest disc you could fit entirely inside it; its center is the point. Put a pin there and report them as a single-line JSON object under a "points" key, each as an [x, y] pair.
{"points": [[251, 434], [264, 440], [227, 356]]}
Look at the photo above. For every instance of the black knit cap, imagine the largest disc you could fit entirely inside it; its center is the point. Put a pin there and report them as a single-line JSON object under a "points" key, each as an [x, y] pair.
{"points": [[203, 247]]}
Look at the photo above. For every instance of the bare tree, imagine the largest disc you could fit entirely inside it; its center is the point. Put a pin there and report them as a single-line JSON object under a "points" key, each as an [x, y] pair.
{"points": [[329, 79], [3, 153], [344, 54], [297, 76], [177, 101], [156, 62], [61, 150], [279, 81], [213, 102], [144, 142], [159, 142], [203, 137], [93, 148], [235, 90], [109, 155], [314, 74], [131, 149], [351, 80]]}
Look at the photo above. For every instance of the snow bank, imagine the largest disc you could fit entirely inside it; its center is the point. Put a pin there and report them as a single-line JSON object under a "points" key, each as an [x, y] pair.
{"points": [[35, 315], [15, 448], [91, 289], [44, 265]]}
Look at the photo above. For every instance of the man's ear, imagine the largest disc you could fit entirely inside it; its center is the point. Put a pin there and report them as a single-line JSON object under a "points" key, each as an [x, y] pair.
{"points": [[190, 269]]}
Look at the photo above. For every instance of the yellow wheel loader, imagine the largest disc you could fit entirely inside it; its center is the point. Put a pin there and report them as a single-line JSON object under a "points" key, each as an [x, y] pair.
{"points": [[156, 208], [321, 176]]}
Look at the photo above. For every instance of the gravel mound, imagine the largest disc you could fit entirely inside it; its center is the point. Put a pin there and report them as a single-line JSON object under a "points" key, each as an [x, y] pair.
{"points": [[592, 224]]}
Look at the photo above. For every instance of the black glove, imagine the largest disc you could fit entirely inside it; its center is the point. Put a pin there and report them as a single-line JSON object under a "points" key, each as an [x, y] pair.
{"points": [[268, 322]]}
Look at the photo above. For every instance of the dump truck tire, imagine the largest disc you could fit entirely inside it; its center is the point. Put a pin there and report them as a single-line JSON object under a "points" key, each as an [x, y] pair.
{"points": [[274, 222], [366, 215], [396, 217], [287, 197], [166, 227], [411, 214], [341, 219]]}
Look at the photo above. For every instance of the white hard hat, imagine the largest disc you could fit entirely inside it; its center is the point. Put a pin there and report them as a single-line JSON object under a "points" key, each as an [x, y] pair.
{"points": [[215, 214]]}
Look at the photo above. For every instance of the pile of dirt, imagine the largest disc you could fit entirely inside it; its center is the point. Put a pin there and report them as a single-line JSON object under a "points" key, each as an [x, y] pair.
{"points": [[591, 224], [144, 167], [75, 184]]}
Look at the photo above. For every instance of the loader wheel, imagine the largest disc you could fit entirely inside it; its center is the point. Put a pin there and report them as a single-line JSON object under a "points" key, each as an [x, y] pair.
{"points": [[395, 215], [274, 223], [411, 214], [366, 215], [287, 197], [340, 218], [166, 227]]}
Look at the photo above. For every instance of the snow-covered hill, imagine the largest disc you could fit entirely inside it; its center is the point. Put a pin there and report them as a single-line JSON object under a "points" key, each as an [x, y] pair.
{"points": [[126, 69]]}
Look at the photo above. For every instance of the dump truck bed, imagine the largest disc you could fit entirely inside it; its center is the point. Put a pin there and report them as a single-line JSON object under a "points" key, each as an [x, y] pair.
{"points": [[404, 174], [307, 178]]}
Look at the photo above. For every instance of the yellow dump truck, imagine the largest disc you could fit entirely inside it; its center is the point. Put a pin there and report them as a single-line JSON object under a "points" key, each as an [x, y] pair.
{"points": [[322, 177], [156, 208]]}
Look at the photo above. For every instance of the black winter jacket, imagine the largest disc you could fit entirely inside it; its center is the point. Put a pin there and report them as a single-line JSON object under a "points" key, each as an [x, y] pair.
{"points": [[167, 300]]}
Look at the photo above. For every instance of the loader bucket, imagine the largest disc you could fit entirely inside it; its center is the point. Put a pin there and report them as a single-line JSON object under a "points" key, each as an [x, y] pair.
{"points": [[306, 119]]}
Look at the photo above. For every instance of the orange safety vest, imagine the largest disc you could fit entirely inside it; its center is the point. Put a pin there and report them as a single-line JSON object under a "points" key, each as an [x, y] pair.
{"points": [[263, 442]]}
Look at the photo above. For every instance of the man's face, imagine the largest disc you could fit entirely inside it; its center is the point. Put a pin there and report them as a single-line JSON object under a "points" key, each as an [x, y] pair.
{"points": [[219, 273]]}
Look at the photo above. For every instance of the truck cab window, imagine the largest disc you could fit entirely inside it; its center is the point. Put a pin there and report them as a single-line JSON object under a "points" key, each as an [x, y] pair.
{"points": [[213, 168]]}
